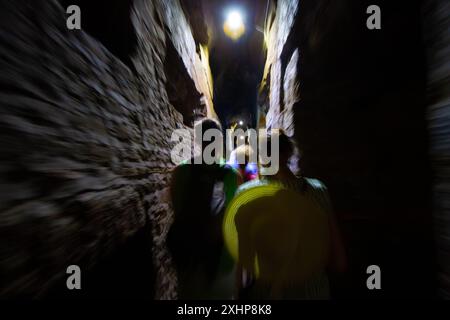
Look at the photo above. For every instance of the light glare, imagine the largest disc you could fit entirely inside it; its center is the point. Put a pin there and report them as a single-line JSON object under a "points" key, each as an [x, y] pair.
{"points": [[234, 26], [235, 20]]}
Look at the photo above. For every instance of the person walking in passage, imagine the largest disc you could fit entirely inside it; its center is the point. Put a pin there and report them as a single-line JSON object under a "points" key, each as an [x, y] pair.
{"points": [[199, 194], [288, 238]]}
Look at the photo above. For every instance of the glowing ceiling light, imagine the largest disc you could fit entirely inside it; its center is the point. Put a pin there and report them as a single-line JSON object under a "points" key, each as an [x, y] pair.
{"points": [[241, 123], [235, 20], [234, 26]]}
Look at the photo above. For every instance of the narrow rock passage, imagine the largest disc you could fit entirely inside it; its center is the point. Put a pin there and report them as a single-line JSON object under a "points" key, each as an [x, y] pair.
{"points": [[88, 116]]}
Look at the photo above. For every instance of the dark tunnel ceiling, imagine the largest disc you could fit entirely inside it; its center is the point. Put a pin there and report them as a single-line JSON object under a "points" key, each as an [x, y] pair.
{"points": [[237, 66]]}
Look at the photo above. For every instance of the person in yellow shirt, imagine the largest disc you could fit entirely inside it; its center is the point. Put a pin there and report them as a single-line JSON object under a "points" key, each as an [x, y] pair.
{"points": [[282, 231]]}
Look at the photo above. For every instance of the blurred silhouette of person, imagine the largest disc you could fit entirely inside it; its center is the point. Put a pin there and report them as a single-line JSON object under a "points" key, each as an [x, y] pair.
{"points": [[288, 237], [240, 160], [199, 195]]}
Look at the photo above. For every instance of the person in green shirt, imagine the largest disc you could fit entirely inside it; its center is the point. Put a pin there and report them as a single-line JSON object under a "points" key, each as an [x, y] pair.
{"points": [[199, 195]]}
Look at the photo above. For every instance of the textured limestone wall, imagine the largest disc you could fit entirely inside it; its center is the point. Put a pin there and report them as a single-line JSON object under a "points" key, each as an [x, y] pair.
{"points": [[437, 35], [85, 142], [195, 56], [280, 74]]}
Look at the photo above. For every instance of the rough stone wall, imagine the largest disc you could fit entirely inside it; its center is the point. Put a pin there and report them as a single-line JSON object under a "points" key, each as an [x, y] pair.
{"points": [[358, 102], [85, 143], [196, 60], [281, 71], [437, 35]]}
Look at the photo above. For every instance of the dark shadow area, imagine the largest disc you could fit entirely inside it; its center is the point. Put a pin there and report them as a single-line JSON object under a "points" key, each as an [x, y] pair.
{"points": [[362, 126], [109, 21], [126, 273]]}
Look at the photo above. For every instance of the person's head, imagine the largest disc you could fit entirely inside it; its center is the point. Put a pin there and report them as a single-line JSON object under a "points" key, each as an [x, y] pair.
{"points": [[286, 147], [202, 126]]}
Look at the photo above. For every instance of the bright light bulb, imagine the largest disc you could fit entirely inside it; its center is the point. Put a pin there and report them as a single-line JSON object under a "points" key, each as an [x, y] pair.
{"points": [[234, 26], [241, 123], [234, 20]]}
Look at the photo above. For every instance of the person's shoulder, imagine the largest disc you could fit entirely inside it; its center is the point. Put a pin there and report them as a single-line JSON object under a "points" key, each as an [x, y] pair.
{"points": [[230, 169], [254, 184], [316, 184]]}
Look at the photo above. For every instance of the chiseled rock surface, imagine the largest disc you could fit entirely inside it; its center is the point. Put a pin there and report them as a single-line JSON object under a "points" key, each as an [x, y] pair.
{"points": [[281, 72], [85, 144]]}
